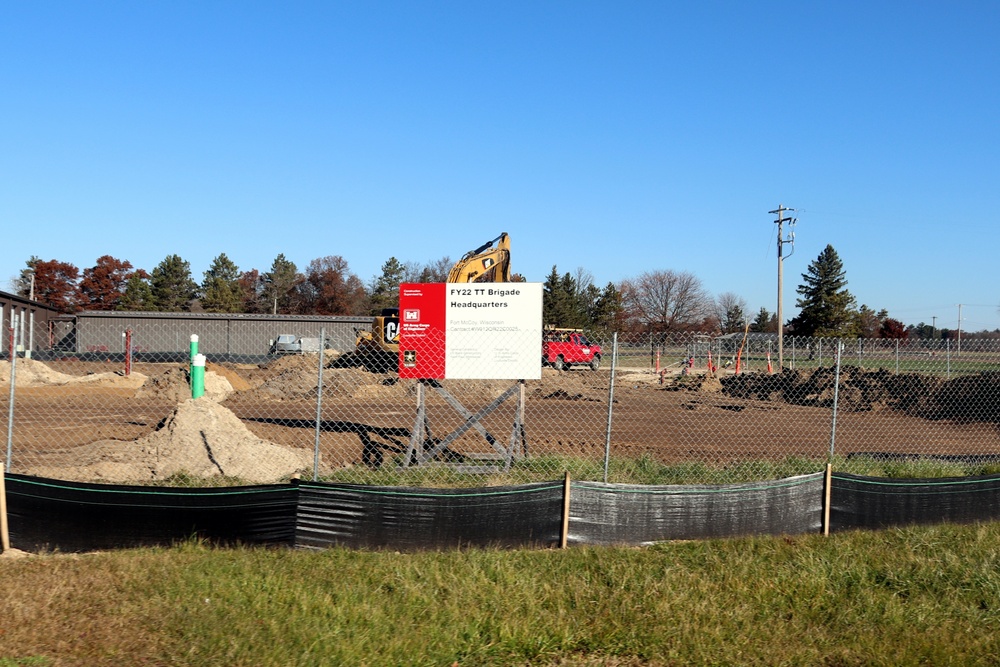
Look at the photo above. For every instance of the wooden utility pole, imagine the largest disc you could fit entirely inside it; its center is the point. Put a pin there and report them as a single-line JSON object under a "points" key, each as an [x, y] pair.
{"points": [[780, 212]]}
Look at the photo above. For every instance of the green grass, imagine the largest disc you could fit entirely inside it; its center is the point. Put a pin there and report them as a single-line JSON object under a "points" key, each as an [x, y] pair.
{"points": [[914, 596], [642, 470]]}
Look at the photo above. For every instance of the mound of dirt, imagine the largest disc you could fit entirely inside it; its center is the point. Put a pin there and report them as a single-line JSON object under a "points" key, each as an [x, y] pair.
{"points": [[31, 373], [966, 398], [200, 438], [174, 384]]}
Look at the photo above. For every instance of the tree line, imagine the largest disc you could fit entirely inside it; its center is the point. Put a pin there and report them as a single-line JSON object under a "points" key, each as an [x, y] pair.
{"points": [[654, 302]]}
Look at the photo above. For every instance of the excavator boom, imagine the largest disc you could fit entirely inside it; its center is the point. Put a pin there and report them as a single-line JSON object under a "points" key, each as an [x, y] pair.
{"points": [[489, 263]]}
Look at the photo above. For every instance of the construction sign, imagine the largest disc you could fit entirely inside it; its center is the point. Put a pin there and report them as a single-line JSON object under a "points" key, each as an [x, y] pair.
{"points": [[472, 331]]}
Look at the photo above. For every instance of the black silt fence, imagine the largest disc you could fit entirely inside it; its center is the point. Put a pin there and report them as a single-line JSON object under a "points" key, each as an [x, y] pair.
{"points": [[71, 516], [877, 502]]}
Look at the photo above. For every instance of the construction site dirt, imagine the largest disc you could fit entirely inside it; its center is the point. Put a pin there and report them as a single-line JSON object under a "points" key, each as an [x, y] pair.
{"points": [[368, 419]]}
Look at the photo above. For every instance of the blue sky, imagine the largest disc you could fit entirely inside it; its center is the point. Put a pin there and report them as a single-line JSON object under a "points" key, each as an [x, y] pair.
{"points": [[617, 137]]}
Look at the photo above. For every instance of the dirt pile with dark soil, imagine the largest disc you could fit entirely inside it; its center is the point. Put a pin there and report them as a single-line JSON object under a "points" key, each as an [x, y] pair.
{"points": [[970, 398]]}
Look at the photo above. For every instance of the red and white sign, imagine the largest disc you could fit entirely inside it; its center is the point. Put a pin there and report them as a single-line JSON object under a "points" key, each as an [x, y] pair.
{"points": [[470, 330]]}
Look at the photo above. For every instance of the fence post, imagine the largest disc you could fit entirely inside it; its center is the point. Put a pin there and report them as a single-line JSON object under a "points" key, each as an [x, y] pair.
{"points": [[836, 397], [128, 352], [10, 403], [947, 345], [319, 403], [611, 402], [897, 356]]}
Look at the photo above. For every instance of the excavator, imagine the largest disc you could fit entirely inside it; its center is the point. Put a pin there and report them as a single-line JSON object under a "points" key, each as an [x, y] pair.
{"points": [[378, 349]]}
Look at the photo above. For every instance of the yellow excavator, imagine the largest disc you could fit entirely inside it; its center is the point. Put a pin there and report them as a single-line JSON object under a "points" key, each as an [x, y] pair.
{"points": [[378, 349]]}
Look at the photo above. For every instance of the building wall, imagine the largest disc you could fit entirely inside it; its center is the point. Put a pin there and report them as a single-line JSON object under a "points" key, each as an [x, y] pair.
{"points": [[218, 333], [29, 321]]}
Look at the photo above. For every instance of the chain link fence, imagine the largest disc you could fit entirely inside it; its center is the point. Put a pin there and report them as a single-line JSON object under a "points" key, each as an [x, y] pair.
{"points": [[318, 409]]}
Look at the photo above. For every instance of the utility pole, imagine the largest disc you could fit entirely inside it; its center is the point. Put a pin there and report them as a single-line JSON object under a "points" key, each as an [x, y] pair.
{"points": [[933, 326], [959, 352], [780, 212]]}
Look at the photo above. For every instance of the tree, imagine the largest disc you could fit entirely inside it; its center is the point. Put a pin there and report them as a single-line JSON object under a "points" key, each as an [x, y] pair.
{"points": [[827, 306], [103, 284], [220, 290], [251, 290], [666, 300], [279, 291], [730, 309], [22, 285], [172, 285], [138, 293], [561, 305], [55, 284], [892, 329], [385, 288], [329, 288], [868, 323], [765, 322], [608, 312]]}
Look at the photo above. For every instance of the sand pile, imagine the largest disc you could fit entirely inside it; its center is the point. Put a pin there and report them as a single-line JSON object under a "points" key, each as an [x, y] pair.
{"points": [[173, 384], [200, 438], [31, 373]]}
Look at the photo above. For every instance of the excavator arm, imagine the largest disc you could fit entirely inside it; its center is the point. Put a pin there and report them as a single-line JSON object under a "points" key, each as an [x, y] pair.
{"points": [[488, 263]]}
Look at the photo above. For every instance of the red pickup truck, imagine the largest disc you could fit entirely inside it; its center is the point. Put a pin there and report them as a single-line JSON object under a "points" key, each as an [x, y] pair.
{"points": [[562, 348]]}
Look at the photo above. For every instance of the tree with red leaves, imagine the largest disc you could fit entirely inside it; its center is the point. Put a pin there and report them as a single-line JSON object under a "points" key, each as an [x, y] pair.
{"points": [[103, 284], [892, 328], [55, 284], [330, 288]]}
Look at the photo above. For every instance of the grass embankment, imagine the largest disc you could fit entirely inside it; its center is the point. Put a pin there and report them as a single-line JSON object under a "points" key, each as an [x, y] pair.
{"points": [[911, 596]]}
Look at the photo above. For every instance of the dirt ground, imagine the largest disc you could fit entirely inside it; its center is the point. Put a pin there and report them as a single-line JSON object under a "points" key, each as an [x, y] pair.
{"points": [[89, 421]]}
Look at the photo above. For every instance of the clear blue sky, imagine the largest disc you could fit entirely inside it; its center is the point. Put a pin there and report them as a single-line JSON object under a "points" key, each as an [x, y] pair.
{"points": [[617, 137]]}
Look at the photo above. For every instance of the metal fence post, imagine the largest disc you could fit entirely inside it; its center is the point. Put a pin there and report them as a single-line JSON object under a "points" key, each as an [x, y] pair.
{"points": [[319, 403], [611, 402], [836, 397]]}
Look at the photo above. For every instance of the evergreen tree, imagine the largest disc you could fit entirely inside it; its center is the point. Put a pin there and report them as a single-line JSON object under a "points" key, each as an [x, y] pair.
{"points": [[220, 290], [827, 306], [278, 294], [138, 294], [172, 285], [608, 312], [560, 301], [385, 288], [765, 322]]}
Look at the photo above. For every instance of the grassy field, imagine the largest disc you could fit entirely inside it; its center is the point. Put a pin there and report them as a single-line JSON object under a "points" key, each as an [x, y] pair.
{"points": [[915, 596]]}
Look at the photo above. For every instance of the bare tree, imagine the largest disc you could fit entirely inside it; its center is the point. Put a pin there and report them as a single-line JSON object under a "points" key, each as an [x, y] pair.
{"points": [[667, 300]]}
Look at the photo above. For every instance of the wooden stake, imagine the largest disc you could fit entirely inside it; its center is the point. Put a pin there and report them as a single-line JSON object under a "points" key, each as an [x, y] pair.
{"points": [[564, 533]]}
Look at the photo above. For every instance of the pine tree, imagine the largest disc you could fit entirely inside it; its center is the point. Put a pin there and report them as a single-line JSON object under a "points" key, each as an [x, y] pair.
{"points": [[827, 306], [560, 301], [138, 294], [172, 285], [385, 288], [278, 294], [221, 289]]}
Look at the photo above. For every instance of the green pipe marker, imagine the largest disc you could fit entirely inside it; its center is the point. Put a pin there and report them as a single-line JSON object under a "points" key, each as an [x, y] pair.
{"points": [[198, 376], [194, 345]]}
